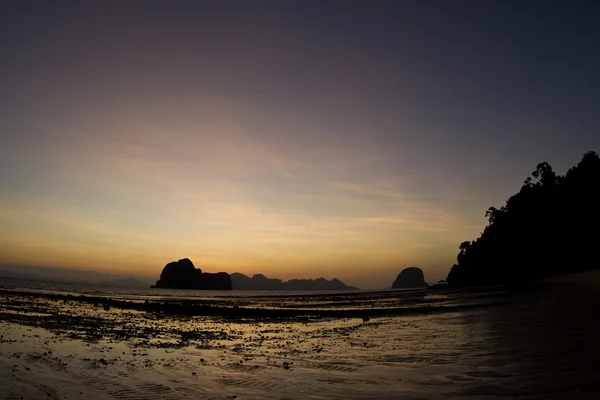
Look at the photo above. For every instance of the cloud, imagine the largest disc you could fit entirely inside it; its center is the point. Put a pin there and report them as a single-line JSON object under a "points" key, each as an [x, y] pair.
{"points": [[138, 192]]}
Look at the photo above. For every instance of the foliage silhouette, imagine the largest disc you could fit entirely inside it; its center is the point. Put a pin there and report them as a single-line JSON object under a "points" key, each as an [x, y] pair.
{"points": [[549, 227]]}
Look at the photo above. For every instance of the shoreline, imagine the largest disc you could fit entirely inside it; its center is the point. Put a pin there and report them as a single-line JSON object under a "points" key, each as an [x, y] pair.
{"points": [[469, 344], [327, 306]]}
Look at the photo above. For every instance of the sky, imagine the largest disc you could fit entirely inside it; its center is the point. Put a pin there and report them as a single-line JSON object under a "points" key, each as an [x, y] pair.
{"points": [[302, 139]]}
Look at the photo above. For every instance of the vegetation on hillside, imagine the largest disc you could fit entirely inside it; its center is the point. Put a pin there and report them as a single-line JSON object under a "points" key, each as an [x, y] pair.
{"points": [[551, 226]]}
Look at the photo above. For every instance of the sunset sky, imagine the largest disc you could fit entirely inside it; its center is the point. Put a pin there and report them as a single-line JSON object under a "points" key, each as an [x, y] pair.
{"points": [[291, 138]]}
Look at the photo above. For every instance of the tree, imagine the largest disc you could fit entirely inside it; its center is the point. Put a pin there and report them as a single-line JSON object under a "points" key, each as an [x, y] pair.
{"points": [[545, 174], [548, 227]]}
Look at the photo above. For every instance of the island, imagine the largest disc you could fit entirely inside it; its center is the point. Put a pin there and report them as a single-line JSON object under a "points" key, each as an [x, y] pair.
{"points": [[183, 275], [261, 282], [410, 278]]}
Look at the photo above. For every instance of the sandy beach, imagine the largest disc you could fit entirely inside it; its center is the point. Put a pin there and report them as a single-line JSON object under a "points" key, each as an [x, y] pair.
{"points": [[533, 343]]}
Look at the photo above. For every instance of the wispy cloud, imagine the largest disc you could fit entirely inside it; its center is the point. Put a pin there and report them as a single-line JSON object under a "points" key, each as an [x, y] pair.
{"points": [[140, 192]]}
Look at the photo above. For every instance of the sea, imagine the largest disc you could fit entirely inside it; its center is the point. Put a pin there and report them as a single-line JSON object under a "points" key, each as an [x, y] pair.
{"points": [[156, 293]]}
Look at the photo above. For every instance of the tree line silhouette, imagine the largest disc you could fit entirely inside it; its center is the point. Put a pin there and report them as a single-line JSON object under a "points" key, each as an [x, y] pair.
{"points": [[549, 227]]}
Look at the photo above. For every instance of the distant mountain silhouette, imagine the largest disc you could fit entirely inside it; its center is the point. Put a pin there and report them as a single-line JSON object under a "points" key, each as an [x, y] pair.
{"points": [[317, 284], [256, 282], [261, 282], [64, 275], [130, 283], [549, 227], [410, 278], [183, 275]]}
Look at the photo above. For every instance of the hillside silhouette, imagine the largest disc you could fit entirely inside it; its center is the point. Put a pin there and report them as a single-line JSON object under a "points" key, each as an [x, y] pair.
{"points": [[410, 278], [261, 282], [183, 274], [549, 227]]}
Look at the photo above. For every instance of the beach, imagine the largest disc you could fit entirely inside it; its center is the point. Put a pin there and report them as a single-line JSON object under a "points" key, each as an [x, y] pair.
{"points": [[538, 341]]}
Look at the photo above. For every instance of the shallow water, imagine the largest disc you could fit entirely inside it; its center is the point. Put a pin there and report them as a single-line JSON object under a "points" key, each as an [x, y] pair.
{"points": [[542, 343], [66, 287]]}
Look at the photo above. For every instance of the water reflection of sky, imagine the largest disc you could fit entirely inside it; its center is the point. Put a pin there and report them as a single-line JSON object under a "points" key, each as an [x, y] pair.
{"points": [[546, 344]]}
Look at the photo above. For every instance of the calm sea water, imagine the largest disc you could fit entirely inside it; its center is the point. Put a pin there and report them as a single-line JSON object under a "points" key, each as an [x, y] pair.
{"points": [[78, 288]]}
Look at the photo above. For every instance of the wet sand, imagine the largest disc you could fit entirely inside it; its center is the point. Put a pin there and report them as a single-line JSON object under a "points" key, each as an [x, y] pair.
{"points": [[535, 342]]}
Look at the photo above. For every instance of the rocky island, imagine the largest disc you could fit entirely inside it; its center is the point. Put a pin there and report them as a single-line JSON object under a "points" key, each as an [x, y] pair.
{"points": [[183, 275], [261, 282], [410, 278]]}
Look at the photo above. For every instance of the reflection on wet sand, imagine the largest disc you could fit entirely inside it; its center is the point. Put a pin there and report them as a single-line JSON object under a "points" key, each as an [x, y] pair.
{"points": [[538, 342], [545, 343]]}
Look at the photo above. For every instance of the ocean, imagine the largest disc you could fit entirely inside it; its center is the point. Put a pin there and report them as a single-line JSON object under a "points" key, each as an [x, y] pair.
{"points": [[98, 290]]}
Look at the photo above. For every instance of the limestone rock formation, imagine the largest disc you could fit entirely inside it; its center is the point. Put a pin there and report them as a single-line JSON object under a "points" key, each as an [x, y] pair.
{"points": [[409, 278], [317, 284], [256, 282], [261, 282], [183, 275]]}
